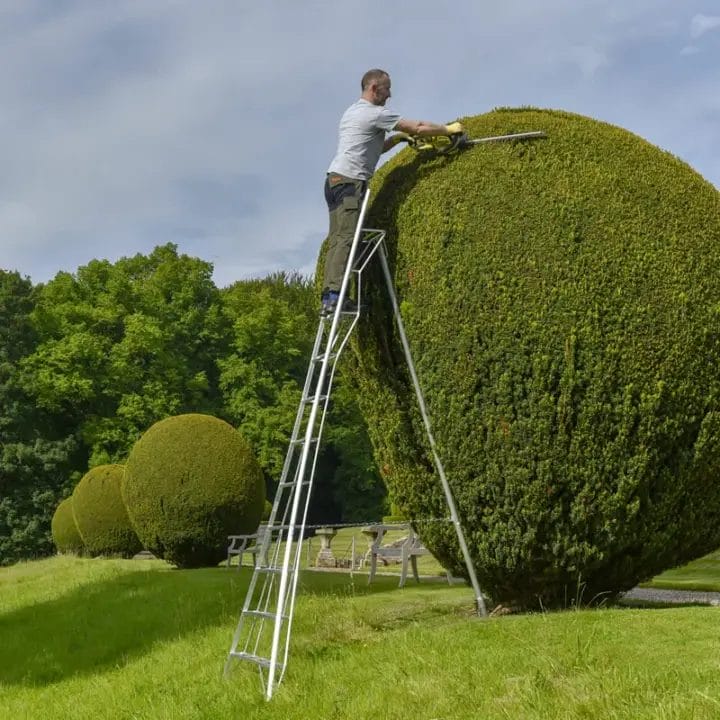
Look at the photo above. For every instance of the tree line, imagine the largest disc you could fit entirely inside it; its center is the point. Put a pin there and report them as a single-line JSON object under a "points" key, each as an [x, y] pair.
{"points": [[91, 359]]}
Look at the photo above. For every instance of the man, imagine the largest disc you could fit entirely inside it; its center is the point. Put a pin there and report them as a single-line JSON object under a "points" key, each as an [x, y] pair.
{"points": [[361, 141]]}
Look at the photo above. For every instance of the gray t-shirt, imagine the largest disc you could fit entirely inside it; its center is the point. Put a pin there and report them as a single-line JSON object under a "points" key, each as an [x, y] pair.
{"points": [[361, 139]]}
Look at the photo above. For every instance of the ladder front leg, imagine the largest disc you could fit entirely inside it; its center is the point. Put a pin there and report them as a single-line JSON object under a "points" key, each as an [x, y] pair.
{"points": [[413, 560]]}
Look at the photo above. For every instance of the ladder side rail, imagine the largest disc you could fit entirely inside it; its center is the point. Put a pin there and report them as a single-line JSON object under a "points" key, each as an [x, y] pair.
{"points": [[241, 628], [301, 409], [303, 460], [259, 598], [325, 391], [480, 601], [337, 351], [292, 448], [370, 253], [348, 268], [286, 526], [247, 627], [346, 338], [367, 248], [262, 600], [298, 553], [332, 338], [253, 627], [336, 357], [377, 237]]}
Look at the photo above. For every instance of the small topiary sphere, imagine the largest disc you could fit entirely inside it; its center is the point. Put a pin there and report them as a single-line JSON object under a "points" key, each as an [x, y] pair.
{"points": [[64, 529], [562, 301], [100, 513], [191, 481]]}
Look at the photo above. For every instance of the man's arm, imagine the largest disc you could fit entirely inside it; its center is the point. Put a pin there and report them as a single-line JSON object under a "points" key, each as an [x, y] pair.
{"points": [[419, 128]]}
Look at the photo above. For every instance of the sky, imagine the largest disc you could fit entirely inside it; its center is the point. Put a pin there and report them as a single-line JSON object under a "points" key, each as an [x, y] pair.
{"points": [[126, 124]]}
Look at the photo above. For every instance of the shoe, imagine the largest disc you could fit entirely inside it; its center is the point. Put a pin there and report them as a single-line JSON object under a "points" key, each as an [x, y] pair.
{"points": [[330, 301]]}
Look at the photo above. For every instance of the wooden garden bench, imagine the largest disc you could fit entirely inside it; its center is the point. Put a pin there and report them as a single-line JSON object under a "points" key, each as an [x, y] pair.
{"points": [[241, 544], [404, 551]]}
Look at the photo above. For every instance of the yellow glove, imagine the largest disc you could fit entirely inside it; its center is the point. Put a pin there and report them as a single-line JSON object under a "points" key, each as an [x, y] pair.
{"points": [[423, 144], [454, 128], [404, 137]]}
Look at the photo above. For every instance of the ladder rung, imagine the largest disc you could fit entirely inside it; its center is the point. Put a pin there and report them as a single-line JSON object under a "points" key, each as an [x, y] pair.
{"points": [[301, 441], [261, 661], [311, 398], [272, 570], [275, 528], [321, 357], [264, 614], [291, 483]]}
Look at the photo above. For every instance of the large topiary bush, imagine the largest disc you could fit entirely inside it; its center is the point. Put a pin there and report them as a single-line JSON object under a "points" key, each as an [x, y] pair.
{"points": [[100, 513], [65, 533], [562, 299], [190, 481]]}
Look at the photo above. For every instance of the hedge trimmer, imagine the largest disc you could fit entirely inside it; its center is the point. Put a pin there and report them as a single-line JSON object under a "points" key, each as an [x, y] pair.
{"points": [[444, 144]]}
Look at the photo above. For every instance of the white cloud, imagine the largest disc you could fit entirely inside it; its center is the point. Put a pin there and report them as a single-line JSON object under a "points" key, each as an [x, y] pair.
{"points": [[588, 59], [126, 124], [700, 24], [690, 50]]}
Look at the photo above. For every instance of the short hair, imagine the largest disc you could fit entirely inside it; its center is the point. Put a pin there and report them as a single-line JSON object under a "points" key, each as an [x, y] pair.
{"points": [[372, 76]]}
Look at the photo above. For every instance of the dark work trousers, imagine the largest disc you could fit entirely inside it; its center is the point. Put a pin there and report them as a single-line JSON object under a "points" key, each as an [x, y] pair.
{"points": [[344, 197]]}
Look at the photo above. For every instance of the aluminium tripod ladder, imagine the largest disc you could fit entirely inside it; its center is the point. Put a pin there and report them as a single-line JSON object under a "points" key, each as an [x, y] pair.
{"points": [[262, 636]]}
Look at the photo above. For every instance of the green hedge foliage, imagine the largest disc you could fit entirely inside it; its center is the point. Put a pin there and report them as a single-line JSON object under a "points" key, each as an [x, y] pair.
{"points": [[100, 513], [190, 481], [562, 299], [65, 533]]}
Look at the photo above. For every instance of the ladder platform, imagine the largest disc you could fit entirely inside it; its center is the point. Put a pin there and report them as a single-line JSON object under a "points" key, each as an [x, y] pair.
{"points": [[329, 316]]}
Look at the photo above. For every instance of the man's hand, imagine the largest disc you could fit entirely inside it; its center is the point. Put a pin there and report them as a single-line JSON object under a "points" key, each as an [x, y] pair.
{"points": [[404, 137], [454, 128]]}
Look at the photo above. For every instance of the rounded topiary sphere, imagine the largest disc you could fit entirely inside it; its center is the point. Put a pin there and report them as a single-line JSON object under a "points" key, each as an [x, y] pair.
{"points": [[562, 301], [100, 513], [64, 529], [191, 481]]}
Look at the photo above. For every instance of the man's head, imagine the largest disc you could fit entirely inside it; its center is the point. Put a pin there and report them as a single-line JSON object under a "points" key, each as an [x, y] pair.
{"points": [[376, 86]]}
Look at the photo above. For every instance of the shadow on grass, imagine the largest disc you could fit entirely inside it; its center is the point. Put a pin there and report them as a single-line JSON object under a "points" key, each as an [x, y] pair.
{"points": [[107, 624]]}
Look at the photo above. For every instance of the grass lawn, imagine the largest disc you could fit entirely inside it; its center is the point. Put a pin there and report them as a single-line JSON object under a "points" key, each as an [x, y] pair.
{"points": [[123, 639], [701, 574]]}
